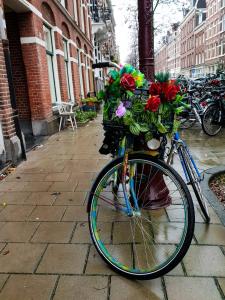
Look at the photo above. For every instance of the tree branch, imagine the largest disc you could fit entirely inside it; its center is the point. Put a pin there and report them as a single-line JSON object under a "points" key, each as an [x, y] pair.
{"points": [[156, 5]]}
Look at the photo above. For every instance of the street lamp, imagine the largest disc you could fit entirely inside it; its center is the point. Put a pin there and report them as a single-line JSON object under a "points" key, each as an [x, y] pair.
{"points": [[146, 38]]}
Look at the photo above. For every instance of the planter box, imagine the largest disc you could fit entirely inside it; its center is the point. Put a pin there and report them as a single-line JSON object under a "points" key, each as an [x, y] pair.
{"points": [[88, 108]]}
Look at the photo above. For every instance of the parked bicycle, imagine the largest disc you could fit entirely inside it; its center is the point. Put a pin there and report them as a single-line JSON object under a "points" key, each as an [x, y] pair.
{"points": [[141, 214], [213, 118]]}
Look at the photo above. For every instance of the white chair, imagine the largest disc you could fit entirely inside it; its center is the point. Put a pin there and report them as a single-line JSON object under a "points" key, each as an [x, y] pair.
{"points": [[66, 113]]}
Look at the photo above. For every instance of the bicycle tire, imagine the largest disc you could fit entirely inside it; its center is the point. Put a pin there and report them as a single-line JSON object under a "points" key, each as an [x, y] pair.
{"points": [[206, 122], [194, 183], [94, 212]]}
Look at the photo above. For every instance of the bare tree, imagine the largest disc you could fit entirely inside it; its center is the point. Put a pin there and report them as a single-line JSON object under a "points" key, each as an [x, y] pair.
{"points": [[160, 27]]}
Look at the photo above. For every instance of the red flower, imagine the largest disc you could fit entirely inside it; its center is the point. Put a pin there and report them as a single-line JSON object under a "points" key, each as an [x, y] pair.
{"points": [[128, 82], [171, 92], [166, 91], [111, 80], [155, 89], [153, 103]]}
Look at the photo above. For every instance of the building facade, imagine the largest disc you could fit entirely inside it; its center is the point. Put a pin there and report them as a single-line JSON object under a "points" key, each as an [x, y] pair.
{"points": [[161, 62], [168, 58], [187, 51], [202, 40], [215, 35], [199, 67], [103, 28], [46, 53]]}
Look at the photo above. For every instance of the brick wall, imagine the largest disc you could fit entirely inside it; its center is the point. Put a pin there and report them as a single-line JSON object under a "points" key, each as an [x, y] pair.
{"points": [[6, 112], [35, 61], [18, 69], [30, 68]]}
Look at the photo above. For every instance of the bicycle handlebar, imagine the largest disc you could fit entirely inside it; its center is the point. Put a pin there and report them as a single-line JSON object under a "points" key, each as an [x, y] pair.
{"points": [[106, 64]]}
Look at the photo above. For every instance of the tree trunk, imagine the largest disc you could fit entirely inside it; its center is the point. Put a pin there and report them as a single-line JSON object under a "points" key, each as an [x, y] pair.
{"points": [[146, 38]]}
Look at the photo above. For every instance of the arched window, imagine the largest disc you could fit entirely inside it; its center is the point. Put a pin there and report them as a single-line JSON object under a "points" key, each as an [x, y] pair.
{"points": [[65, 30], [47, 13]]}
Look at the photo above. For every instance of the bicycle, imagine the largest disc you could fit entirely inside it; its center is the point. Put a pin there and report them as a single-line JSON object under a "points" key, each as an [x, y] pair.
{"points": [[191, 172], [132, 235], [213, 118], [140, 211], [193, 114]]}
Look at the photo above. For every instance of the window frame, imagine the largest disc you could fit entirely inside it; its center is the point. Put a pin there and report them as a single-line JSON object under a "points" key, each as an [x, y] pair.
{"points": [[67, 62], [51, 54]]}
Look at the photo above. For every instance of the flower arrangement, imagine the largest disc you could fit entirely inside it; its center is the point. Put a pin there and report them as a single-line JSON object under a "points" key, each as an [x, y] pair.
{"points": [[157, 113]]}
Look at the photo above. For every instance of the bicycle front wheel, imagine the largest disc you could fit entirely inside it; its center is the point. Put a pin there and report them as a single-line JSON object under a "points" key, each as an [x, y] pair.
{"points": [[152, 240], [211, 120]]}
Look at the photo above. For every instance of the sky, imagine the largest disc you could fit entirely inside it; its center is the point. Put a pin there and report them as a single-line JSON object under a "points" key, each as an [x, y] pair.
{"points": [[123, 33]]}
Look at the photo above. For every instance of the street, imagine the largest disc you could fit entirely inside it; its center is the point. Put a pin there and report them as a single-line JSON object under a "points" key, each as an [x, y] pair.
{"points": [[46, 252]]}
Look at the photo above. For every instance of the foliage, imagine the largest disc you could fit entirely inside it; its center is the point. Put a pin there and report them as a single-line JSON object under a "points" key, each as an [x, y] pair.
{"points": [[83, 116], [91, 114], [90, 99], [138, 115]]}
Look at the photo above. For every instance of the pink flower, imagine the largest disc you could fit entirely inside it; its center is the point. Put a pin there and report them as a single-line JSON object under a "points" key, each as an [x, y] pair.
{"points": [[121, 110]]}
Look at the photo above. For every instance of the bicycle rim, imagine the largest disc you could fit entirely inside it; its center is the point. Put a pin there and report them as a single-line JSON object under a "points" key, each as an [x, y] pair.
{"points": [[210, 116], [151, 242], [194, 180]]}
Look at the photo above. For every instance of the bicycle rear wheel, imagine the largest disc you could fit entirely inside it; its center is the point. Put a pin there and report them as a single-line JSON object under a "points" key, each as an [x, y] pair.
{"points": [[194, 180], [154, 240], [211, 120]]}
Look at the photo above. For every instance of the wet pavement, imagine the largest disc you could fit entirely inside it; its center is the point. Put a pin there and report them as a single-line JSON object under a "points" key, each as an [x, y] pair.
{"points": [[45, 248]]}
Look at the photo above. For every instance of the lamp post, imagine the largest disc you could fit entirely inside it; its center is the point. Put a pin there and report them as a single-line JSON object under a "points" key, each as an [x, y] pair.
{"points": [[146, 38]]}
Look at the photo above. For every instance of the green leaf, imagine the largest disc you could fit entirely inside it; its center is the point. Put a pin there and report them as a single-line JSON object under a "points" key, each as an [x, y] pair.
{"points": [[144, 127], [129, 93], [179, 110], [148, 136], [161, 128], [134, 129]]}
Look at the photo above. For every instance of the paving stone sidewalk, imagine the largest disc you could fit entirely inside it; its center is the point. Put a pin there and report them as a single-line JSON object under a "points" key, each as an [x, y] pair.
{"points": [[45, 249]]}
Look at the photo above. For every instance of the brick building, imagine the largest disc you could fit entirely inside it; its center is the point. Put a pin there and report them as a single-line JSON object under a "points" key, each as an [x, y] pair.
{"points": [[168, 57], [45, 58], [215, 35], [200, 69], [188, 43], [161, 61], [186, 47]]}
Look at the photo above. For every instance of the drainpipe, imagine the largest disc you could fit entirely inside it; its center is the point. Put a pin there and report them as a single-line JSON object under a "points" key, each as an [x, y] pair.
{"points": [[13, 97]]}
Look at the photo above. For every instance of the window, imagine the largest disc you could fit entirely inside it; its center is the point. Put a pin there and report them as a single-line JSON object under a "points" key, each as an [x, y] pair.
{"points": [[66, 61], [80, 73], [75, 10], [64, 3], [223, 23], [50, 56]]}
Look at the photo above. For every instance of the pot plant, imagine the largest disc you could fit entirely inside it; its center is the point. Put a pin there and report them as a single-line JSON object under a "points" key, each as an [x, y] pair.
{"points": [[91, 104]]}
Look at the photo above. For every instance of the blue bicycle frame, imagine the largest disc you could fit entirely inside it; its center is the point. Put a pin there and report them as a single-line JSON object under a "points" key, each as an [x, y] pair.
{"points": [[179, 141]]}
